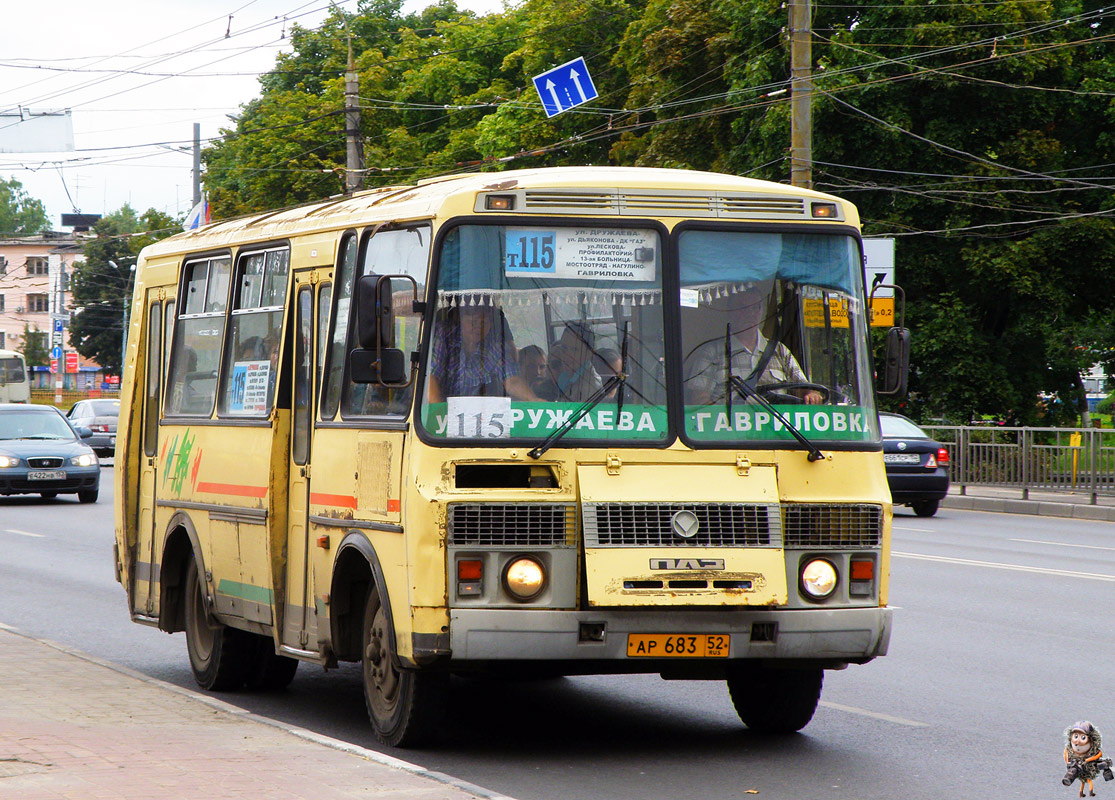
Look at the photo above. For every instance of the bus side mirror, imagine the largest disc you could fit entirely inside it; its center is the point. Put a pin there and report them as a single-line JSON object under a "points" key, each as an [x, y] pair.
{"points": [[375, 312], [388, 369], [896, 362]]}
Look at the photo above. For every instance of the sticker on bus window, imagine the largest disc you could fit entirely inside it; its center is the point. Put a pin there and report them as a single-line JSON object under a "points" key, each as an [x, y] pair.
{"points": [[621, 254], [478, 418], [248, 386]]}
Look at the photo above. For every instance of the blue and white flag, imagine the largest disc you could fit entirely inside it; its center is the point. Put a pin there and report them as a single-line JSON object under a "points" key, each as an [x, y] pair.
{"points": [[198, 216]]}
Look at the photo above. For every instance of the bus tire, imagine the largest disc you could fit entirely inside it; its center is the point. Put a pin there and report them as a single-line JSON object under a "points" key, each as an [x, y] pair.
{"points": [[404, 706], [219, 655], [775, 700], [925, 508], [269, 671]]}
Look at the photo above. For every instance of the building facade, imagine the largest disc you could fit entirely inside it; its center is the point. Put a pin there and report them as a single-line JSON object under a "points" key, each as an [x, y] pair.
{"points": [[35, 297]]}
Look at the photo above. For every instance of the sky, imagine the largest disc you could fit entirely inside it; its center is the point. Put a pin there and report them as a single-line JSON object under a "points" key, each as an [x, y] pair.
{"points": [[136, 77]]}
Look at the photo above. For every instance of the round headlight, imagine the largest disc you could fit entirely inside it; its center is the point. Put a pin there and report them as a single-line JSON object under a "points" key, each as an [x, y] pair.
{"points": [[524, 578], [818, 579]]}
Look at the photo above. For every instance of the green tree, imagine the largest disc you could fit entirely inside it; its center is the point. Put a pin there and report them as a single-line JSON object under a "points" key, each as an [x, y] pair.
{"points": [[34, 347], [20, 214], [101, 285]]}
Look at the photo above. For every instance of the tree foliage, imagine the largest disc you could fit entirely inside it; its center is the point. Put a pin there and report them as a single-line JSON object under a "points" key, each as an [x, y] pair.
{"points": [[20, 214], [978, 134], [101, 285], [34, 347]]}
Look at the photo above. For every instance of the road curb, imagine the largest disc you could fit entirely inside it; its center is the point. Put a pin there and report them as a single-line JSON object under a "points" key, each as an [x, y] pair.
{"points": [[242, 713], [1041, 508]]}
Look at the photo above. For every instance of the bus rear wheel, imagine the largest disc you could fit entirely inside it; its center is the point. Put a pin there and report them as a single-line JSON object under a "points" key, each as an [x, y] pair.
{"points": [[219, 655], [269, 671], [775, 700], [404, 706]]}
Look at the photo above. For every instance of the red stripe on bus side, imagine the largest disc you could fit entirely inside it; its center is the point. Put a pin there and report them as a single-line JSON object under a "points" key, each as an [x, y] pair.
{"points": [[343, 500], [232, 488]]}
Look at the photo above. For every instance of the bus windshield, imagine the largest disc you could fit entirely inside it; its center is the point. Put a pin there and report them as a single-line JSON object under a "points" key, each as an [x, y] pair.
{"points": [[777, 316], [531, 322]]}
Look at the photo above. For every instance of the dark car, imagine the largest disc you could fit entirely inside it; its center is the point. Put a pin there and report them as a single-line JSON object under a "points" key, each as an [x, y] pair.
{"points": [[917, 466], [41, 453], [100, 417]]}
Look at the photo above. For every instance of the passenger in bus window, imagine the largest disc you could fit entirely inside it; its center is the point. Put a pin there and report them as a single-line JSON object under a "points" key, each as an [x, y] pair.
{"points": [[532, 363], [608, 364], [473, 353], [572, 377], [705, 367]]}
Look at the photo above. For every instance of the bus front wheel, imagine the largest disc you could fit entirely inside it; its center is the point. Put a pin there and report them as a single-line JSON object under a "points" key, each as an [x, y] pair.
{"points": [[404, 706], [219, 655], [775, 700]]}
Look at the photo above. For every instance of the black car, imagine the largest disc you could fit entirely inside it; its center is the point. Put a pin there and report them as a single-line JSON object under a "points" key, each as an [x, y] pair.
{"points": [[917, 466], [100, 417], [41, 453]]}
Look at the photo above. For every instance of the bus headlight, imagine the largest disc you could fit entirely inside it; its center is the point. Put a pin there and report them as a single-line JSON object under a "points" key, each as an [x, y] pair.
{"points": [[84, 460], [524, 578], [818, 579]]}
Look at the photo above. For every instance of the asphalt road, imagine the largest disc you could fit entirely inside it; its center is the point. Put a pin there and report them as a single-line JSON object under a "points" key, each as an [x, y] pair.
{"points": [[1003, 638]]}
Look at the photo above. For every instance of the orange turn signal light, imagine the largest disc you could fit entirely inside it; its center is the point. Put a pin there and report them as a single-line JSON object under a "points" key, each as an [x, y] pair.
{"points": [[470, 570], [863, 570]]}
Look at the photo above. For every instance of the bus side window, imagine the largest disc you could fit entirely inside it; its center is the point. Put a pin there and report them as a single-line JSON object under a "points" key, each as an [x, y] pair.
{"points": [[198, 336], [335, 357], [399, 251], [251, 365]]}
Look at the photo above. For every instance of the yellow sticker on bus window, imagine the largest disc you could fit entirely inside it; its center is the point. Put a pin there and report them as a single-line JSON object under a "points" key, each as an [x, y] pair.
{"points": [[814, 312]]}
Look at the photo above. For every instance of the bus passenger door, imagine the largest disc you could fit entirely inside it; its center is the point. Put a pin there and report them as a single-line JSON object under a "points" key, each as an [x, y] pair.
{"points": [[300, 616], [146, 570]]}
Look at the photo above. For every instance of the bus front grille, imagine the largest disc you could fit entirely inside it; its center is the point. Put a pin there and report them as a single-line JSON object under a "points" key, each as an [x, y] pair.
{"points": [[843, 526], [512, 524], [659, 525]]}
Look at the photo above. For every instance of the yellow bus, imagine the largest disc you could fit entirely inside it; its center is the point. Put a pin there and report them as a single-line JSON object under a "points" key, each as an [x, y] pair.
{"points": [[14, 385], [553, 421]]}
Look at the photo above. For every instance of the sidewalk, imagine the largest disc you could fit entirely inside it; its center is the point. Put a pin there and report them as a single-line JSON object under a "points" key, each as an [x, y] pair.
{"points": [[1074, 505], [73, 727]]}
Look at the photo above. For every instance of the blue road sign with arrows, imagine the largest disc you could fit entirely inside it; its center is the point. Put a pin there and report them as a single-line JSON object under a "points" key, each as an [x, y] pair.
{"points": [[565, 87]]}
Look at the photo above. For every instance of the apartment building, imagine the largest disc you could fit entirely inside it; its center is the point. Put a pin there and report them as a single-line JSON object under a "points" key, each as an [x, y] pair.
{"points": [[34, 292]]}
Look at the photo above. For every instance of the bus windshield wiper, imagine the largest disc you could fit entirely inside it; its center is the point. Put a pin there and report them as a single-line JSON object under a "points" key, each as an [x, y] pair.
{"points": [[737, 384], [615, 382]]}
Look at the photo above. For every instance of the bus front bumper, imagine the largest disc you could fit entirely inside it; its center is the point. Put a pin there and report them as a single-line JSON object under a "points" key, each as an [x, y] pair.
{"points": [[839, 636]]}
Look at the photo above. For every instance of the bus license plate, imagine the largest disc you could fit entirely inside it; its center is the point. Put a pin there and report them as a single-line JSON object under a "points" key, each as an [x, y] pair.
{"points": [[39, 475], [677, 645]]}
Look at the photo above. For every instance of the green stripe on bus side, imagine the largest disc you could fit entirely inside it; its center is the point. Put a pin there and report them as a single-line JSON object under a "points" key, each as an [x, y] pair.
{"points": [[246, 591]]}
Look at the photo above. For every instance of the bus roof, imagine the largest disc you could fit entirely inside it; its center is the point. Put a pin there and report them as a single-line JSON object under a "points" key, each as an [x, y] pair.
{"points": [[426, 197]]}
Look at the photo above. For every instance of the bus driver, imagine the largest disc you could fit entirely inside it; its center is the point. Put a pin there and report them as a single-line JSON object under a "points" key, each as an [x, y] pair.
{"points": [[473, 353]]}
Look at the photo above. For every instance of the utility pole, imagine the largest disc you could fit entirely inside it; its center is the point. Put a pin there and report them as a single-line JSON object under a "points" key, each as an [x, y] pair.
{"points": [[197, 164], [801, 93], [354, 156]]}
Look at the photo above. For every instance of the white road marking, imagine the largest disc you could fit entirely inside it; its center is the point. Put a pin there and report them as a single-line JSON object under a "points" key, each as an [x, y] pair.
{"points": [[1063, 544], [1095, 576], [26, 533], [918, 530], [874, 715]]}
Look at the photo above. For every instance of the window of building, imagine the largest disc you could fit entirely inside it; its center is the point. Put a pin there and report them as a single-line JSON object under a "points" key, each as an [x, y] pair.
{"points": [[38, 265], [37, 303]]}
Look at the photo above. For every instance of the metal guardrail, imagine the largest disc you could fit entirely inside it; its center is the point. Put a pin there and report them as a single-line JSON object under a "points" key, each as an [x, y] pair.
{"points": [[1042, 459]]}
